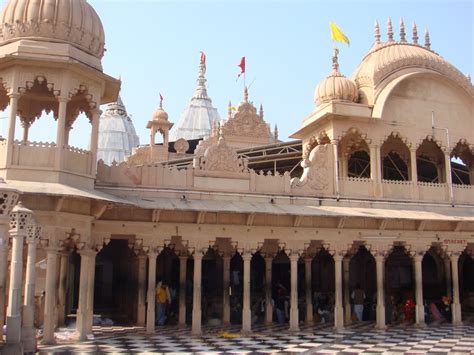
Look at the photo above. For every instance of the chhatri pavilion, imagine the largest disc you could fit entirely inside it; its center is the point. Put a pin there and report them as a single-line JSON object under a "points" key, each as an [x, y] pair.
{"points": [[373, 190]]}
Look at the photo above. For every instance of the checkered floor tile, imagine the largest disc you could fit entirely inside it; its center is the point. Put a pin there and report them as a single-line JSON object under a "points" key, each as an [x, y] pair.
{"points": [[319, 339]]}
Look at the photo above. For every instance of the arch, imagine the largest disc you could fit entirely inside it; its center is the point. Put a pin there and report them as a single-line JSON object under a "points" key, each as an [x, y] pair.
{"points": [[463, 174], [314, 141], [434, 279], [362, 274], [354, 154], [430, 163], [236, 288], [466, 282], [395, 158]]}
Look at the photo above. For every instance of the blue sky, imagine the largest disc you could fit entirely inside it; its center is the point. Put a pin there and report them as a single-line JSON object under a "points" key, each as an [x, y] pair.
{"points": [[155, 45]]}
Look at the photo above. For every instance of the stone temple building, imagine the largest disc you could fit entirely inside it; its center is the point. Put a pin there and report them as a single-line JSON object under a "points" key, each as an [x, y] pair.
{"points": [[381, 196]]}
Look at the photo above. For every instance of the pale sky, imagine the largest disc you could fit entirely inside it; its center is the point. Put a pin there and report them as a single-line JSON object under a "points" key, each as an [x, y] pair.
{"points": [[154, 45]]}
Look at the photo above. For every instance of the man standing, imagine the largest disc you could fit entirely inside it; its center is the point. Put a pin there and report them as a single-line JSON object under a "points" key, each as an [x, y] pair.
{"points": [[163, 298], [358, 296]]}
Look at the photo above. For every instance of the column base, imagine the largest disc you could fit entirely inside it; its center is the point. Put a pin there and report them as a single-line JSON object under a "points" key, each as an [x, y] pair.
{"points": [[338, 318], [13, 333], [196, 327], [12, 349], [380, 327], [28, 339], [246, 321], [347, 314], [420, 325], [456, 314]]}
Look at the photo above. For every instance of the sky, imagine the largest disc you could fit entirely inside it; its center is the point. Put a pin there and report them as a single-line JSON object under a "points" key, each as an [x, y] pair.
{"points": [[154, 47]]}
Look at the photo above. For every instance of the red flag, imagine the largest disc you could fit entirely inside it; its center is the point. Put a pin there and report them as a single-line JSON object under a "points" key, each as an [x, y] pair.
{"points": [[203, 57], [161, 99], [242, 67]]}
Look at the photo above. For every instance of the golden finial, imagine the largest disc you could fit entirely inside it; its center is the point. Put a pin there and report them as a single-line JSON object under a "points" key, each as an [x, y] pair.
{"points": [[415, 33], [389, 30], [377, 32], [229, 110], [402, 31], [335, 63], [427, 39]]}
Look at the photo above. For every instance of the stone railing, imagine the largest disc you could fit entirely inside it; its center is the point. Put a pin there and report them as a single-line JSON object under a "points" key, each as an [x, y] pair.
{"points": [[356, 187], [463, 193], [428, 191], [78, 160], [34, 154], [397, 190]]}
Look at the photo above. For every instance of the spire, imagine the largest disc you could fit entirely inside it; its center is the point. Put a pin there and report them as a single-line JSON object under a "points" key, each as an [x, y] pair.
{"points": [[377, 32], [389, 30], [335, 63], [201, 92], [275, 133], [246, 94], [402, 31], [415, 33], [427, 39], [229, 110], [261, 111]]}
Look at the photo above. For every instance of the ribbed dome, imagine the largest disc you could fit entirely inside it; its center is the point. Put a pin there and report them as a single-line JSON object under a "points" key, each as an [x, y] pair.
{"points": [[69, 21], [117, 135], [335, 87], [160, 115]]}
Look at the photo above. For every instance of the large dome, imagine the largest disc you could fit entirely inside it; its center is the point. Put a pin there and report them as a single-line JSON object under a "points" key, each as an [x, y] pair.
{"points": [[66, 21]]}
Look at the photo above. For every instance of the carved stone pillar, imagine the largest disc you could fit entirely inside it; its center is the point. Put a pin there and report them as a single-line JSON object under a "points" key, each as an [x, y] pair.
{"points": [[150, 312], [21, 218], [50, 296], [86, 288], [309, 289], [141, 295], [268, 290], [63, 268], [196, 326], [347, 296], [183, 263], [226, 295], [414, 173], [61, 132], [456, 305], [420, 308], [294, 312], [96, 113], [338, 306], [380, 310], [28, 331], [11, 126], [246, 311]]}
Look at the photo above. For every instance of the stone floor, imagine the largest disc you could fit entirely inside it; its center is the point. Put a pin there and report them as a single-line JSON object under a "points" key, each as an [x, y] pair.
{"points": [[320, 339]]}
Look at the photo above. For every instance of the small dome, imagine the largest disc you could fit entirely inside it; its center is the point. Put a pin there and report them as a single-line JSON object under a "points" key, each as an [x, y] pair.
{"points": [[67, 21], [160, 115], [335, 87], [117, 135]]}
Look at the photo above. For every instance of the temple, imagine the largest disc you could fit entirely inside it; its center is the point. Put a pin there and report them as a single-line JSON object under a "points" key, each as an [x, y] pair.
{"points": [[373, 191]]}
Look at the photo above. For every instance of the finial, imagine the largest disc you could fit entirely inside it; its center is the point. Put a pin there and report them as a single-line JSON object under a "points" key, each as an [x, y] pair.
{"points": [[261, 111], [161, 101], [219, 130], [468, 77], [229, 110], [389, 30], [275, 132], [335, 63], [246, 94], [427, 39], [415, 33], [377, 32], [201, 92], [402, 31]]}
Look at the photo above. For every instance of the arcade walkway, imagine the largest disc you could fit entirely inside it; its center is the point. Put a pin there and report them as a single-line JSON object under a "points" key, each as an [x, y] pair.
{"points": [[358, 338]]}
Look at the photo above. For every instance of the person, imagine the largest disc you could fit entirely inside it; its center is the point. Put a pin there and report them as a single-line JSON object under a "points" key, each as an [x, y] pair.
{"points": [[163, 298], [280, 306], [445, 308], [323, 309], [358, 296]]}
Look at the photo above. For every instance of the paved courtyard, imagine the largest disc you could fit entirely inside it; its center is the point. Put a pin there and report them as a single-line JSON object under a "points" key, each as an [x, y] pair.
{"points": [[319, 339]]}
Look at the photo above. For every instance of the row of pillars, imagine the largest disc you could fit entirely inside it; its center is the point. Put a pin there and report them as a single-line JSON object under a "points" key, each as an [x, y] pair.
{"points": [[62, 134], [342, 308]]}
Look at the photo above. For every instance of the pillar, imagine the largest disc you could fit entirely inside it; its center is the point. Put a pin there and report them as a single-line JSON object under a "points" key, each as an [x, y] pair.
{"points": [[347, 297], [456, 305], [3, 274], [11, 127], [150, 311], [294, 321], [50, 297], [268, 290], [309, 289], [246, 311], [183, 263], [420, 308], [94, 139], [413, 168], [61, 132], [141, 305], [447, 273], [63, 267], [90, 292], [196, 326], [448, 175], [26, 128], [380, 310], [226, 293], [13, 333], [338, 306], [85, 283]]}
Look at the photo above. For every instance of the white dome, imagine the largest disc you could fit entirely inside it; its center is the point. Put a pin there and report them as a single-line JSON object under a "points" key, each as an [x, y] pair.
{"points": [[68, 21], [117, 135]]}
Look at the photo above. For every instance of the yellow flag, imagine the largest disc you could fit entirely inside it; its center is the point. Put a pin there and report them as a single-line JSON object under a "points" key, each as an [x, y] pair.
{"points": [[337, 34]]}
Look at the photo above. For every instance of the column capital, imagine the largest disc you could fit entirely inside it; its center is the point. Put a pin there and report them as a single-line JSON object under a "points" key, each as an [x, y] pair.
{"points": [[454, 255], [246, 255], [96, 112], [14, 95], [294, 255]]}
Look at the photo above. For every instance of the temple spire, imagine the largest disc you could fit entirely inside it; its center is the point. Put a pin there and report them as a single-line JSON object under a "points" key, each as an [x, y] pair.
{"points": [[377, 32], [275, 133], [261, 111], [389, 30], [402, 31], [201, 92], [415, 33], [427, 39], [246, 94]]}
